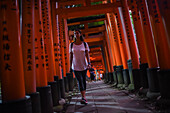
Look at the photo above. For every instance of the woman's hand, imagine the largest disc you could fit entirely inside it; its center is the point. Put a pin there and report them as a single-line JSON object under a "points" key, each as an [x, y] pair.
{"points": [[88, 66]]}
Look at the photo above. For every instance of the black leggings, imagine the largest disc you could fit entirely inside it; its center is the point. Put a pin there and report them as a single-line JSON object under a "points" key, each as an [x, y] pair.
{"points": [[81, 78]]}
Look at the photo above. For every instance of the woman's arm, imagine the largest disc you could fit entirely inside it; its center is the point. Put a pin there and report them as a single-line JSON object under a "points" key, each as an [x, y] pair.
{"points": [[88, 58]]}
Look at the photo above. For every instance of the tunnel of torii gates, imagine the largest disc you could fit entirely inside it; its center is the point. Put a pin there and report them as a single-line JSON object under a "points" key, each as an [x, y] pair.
{"points": [[131, 48]]}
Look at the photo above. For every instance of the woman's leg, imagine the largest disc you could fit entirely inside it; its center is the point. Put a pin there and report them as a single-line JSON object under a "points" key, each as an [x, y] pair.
{"points": [[81, 78], [84, 100], [84, 74], [83, 94], [84, 83]]}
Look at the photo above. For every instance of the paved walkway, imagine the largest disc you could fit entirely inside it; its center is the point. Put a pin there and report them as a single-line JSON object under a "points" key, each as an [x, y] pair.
{"points": [[102, 98]]}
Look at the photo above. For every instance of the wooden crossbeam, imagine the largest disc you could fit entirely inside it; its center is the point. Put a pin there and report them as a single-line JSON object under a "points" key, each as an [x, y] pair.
{"points": [[87, 10], [88, 21], [96, 48], [95, 43], [94, 30], [96, 36], [91, 30], [96, 54], [72, 2], [97, 61], [96, 0], [94, 51], [94, 39]]}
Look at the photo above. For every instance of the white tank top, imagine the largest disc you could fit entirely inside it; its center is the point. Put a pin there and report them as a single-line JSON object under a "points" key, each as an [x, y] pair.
{"points": [[79, 62]]}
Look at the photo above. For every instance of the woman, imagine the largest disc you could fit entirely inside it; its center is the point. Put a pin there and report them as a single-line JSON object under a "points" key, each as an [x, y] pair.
{"points": [[80, 62]]}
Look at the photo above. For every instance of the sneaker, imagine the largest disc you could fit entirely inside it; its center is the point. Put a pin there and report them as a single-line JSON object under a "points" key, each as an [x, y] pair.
{"points": [[84, 101]]}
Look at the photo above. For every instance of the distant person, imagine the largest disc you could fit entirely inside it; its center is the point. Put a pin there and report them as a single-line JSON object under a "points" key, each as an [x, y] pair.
{"points": [[80, 62]]}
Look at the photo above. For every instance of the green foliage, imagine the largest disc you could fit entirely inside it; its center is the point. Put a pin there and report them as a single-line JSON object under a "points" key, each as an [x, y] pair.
{"points": [[95, 23], [96, 3]]}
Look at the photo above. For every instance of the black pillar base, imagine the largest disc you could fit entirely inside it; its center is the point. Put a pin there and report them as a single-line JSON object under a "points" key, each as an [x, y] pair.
{"points": [[17, 106], [120, 76], [66, 84], [54, 92], [62, 88], [58, 87], [45, 99], [153, 82], [36, 104], [164, 80], [111, 77], [103, 76], [131, 85], [136, 78], [56, 78], [126, 77], [70, 81], [115, 79], [144, 78], [106, 78]]}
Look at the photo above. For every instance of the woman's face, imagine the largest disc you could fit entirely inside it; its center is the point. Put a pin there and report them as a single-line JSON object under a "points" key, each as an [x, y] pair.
{"points": [[77, 33]]}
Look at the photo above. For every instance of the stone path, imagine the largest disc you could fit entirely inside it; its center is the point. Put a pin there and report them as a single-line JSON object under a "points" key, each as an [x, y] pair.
{"points": [[102, 98]]}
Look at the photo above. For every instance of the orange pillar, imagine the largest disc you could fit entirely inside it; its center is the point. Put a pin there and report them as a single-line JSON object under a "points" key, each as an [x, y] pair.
{"points": [[121, 40], [109, 41], [62, 80], [106, 57], [123, 44], [61, 28], [124, 49], [104, 60], [11, 66], [109, 52], [108, 29], [164, 7], [56, 39], [150, 50], [66, 46], [41, 75], [115, 39], [163, 49], [119, 66], [141, 43], [112, 53], [163, 46], [50, 90], [148, 35], [28, 48], [110, 44], [130, 35], [48, 40], [139, 31]]}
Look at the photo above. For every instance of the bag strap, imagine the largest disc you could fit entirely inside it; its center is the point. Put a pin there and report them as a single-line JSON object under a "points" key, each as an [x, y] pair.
{"points": [[85, 45]]}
